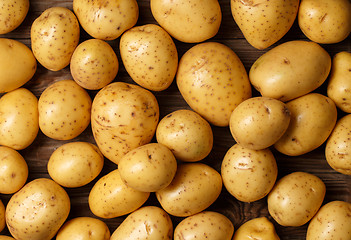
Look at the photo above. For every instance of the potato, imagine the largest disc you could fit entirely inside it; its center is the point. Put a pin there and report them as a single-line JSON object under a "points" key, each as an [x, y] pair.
{"points": [[264, 23], [38, 210], [188, 21], [13, 170], [325, 21], [2, 216], [3, 237], [186, 134], [149, 222], [110, 197], [248, 175], [209, 85], [290, 70], [257, 123], [149, 56], [206, 224], [94, 64], [257, 228], [124, 116], [54, 36], [84, 228], [64, 110], [296, 198], [106, 20], [75, 164], [17, 64], [19, 123], [194, 188], [332, 221], [148, 168], [12, 15], [313, 118]]}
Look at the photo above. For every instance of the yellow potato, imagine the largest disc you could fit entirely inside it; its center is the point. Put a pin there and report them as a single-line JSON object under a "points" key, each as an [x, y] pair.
{"points": [[149, 56], [325, 21], [38, 210], [149, 222], [206, 224], [296, 198], [313, 118], [208, 85], [84, 228], [290, 70], [19, 123], [263, 23], [124, 116], [54, 36], [106, 20], [75, 164], [194, 188], [64, 110], [186, 134], [257, 228], [12, 14], [17, 64], [94, 64], [248, 175], [2, 216], [3, 237], [110, 197], [13, 170]]}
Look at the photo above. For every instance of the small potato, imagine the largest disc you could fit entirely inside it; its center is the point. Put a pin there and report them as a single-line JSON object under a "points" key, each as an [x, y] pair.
{"points": [[64, 110], [296, 198], [3, 237], [257, 123], [148, 222], [12, 14], [248, 175], [13, 170], [106, 20], [2, 216], [38, 210], [258, 228], [19, 122], [331, 222], [75, 164], [149, 56], [208, 85], [84, 228], [110, 197], [194, 188], [94, 64], [207, 224], [186, 134], [54, 36], [17, 64]]}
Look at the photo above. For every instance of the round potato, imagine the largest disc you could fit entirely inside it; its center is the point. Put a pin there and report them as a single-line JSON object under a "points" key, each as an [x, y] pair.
{"points": [[13, 170], [248, 175], [149, 222], [186, 134], [258, 228], [17, 64], [208, 85], [75, 164], [194, 188], [106, 20], [296, 198], [210, 224], [54, 36], [257, 123], [2, 216], [19, 122], [149, 56], [38, 210], [64, 110], [84, 228], [94, 64], [12, 14]]}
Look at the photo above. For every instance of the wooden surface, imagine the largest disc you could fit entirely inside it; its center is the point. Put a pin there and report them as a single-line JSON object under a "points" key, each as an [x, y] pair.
{"points": [[37, 155]]}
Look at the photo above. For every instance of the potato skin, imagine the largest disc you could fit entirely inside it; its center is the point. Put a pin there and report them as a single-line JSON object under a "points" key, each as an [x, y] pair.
{"points": [[257, 228], [2, 216], [12, 15]]}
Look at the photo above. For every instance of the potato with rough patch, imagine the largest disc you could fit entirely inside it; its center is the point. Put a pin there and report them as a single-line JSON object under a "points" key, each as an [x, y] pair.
{"points": [[258, 228], [12, 14]]}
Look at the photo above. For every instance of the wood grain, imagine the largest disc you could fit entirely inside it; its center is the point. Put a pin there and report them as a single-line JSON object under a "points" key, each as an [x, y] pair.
{"points": [[37, 155]]}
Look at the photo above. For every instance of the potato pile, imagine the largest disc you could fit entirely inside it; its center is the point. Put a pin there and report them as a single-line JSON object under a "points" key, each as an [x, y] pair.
{"points": [[157, 170]]}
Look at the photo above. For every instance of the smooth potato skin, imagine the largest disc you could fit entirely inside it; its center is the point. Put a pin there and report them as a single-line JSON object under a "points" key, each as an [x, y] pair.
{"points": [[12, 15], [257, 228], [2, 216], [3, 237]]}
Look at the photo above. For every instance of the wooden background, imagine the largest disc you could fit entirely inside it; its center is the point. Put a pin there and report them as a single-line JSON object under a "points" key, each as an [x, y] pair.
{"points": [[37, 155]]}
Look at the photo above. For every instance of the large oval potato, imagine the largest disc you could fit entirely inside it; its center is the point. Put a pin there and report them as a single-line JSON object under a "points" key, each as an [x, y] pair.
{"points": [[12, 14]]}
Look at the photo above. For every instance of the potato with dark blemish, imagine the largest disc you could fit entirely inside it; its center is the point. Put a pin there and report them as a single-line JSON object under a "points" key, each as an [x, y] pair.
{"points": [[54, 36], [149, 56], [257, 228], [12, 14]]}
